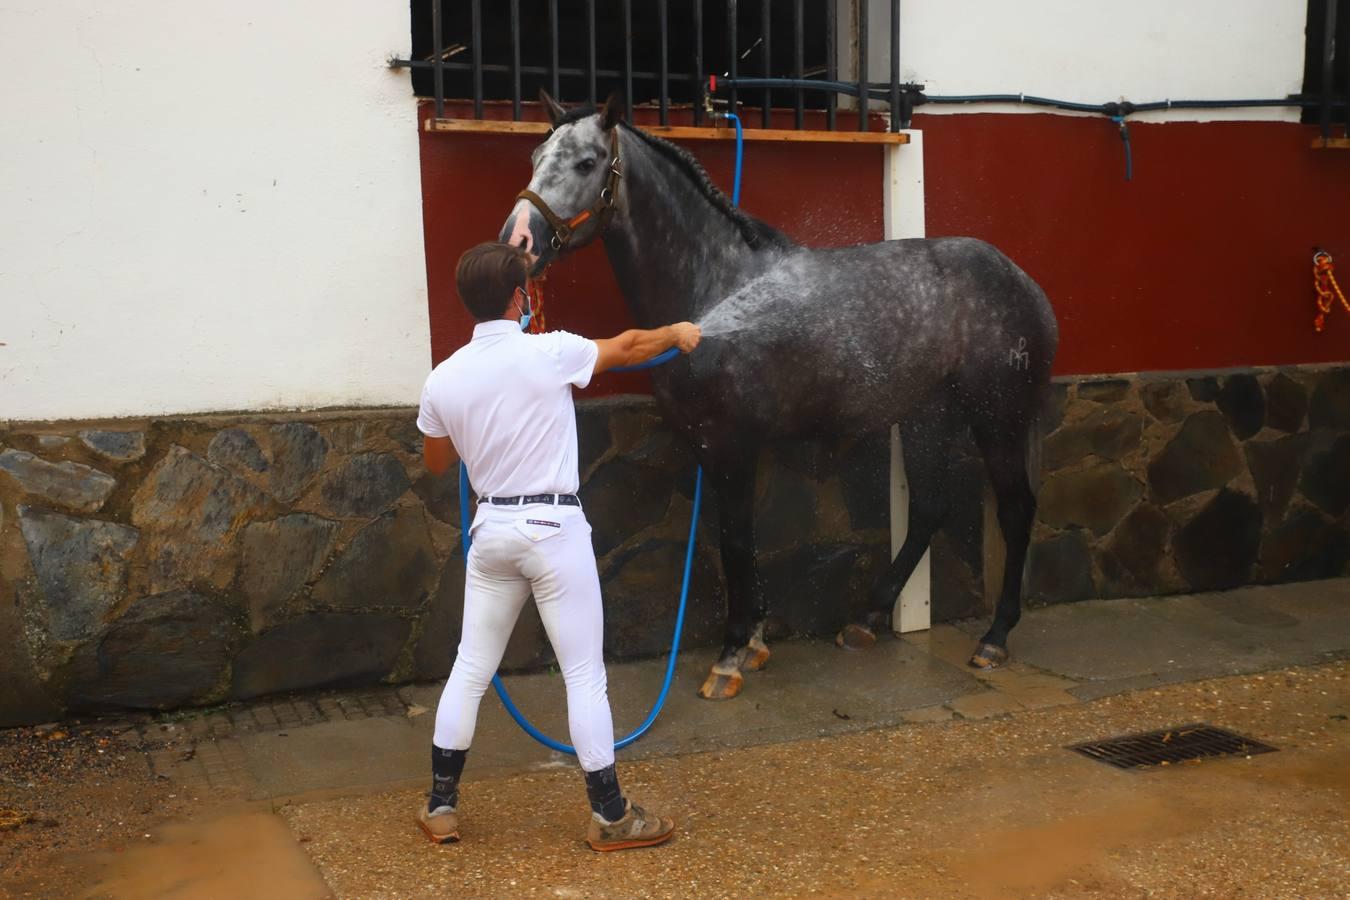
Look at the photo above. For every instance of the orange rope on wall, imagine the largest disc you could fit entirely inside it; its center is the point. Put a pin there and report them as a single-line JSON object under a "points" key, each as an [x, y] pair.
{"points": [[1328, 291]]}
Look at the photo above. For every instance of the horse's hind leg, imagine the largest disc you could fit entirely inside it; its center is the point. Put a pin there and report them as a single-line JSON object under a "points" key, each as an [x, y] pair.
{"points": [[1004, 447], [743, 646], [926, 436]]}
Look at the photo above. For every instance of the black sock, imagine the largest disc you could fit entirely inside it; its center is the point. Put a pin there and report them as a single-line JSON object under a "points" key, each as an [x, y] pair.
{"points": [[446, 767], [602, 788]]}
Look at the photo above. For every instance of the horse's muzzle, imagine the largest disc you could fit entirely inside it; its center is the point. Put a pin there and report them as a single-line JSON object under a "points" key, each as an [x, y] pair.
{"points": [[527, 229]]}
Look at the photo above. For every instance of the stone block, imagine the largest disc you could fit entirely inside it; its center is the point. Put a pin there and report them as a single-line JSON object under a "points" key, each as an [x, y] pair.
{"points": [[621, 500], [190, 511], [1326, 477], [81, 567], [1243, 404], [641, 593], [1330, 404], [1059, 570], [1286, 404], [1275, 467], [298, 453], [329, 649], [1165, 400], [1108, 432], [121, 446], [1201, 457], [593, 435], [1136, 548], [1204, 389], [957, 590], [440, 495], [1107, 390], [442, 620], [76, 487], [1305, 547], [389, 563], [166, 650], [279, 557], [865, 479], [1216, 549], [786, 514], [236, 450], [1053, 406], [1096, 498], [814, 589], [403, 431], [365, 485]]}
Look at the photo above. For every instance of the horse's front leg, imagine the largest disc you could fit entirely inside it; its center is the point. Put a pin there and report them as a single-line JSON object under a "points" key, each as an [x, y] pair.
{"points": [[743, 647]]}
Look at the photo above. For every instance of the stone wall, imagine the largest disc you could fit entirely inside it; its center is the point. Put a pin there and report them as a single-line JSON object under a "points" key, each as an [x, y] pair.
{"points": [[192, 560], [1159, 484]]}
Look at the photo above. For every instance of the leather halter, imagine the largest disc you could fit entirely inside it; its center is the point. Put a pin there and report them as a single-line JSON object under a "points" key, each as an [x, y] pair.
{"points": [[603, 208]]}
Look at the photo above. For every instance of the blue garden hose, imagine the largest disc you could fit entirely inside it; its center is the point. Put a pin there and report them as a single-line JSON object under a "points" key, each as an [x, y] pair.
{"points": [[466, 540]]}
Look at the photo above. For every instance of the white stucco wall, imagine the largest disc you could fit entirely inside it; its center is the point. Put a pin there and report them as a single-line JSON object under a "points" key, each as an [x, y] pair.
{"points": [[207, 207], [1095, 51]]}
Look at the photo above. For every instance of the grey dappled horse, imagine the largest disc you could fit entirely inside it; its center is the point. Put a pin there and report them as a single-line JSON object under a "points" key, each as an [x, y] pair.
{"points": [[936, 335]]}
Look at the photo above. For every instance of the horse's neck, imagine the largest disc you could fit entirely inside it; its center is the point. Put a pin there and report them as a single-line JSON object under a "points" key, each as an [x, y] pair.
{"points": [[674, 254]]}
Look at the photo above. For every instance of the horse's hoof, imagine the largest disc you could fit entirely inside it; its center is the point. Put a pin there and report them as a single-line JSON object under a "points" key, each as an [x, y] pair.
{"points": [[722, 685], [756, 655], [855, 637], [989, 656]]}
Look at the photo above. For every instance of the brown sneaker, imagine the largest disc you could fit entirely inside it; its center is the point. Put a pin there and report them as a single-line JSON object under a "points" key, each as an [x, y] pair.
{"points": [[637, 828], [441, 826]]}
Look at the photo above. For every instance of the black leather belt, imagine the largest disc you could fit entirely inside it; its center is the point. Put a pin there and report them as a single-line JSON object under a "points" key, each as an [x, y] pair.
{"points": [[550, 499]]}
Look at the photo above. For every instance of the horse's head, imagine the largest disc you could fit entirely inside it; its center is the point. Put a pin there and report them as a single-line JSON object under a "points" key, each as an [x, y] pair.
{"points": [[574, 186]]}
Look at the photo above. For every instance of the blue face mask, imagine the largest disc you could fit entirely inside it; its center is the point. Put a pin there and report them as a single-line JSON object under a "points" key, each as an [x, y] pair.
{"points": [[526, 315]]}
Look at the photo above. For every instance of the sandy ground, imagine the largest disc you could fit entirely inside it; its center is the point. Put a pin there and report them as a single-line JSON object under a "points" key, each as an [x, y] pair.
{"points": [[961, 808], [956, 809], [69, 787]]}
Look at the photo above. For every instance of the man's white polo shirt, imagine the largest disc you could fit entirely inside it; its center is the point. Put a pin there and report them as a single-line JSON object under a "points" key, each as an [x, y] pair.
{"points": [[505, 400]]}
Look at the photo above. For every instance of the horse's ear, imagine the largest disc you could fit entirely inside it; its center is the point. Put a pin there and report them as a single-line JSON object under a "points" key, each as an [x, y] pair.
{"points": [[612, 114], [552, 107]]}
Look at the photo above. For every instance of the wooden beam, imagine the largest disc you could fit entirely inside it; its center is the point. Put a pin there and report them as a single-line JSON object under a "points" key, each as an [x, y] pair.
{"points": [[679, 132], [1340, 143]]}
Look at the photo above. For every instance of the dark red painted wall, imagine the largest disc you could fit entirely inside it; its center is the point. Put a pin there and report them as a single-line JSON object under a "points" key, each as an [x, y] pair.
{"points": [[1202, 261]]}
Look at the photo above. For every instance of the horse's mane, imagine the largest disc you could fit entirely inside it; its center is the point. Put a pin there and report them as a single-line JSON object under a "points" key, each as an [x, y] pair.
{"points": [[758, 235]]}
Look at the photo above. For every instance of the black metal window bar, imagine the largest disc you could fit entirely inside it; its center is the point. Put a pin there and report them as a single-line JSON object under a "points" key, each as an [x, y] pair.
{"points": [[749, 36], [812, 27]]}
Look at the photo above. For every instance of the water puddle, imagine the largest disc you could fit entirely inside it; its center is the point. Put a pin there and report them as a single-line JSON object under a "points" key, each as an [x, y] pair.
{"points": [[247, 854]]}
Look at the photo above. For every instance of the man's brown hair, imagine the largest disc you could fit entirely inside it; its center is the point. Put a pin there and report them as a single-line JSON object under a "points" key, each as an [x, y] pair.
{"points": [[488, 275]]}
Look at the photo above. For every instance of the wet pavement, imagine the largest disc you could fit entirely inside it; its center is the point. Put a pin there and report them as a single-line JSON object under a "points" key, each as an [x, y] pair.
{"points": [[895, 771]]}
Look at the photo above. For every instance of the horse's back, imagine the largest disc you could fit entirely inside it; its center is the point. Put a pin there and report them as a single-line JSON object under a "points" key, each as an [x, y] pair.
{"points": [[854, 334]]}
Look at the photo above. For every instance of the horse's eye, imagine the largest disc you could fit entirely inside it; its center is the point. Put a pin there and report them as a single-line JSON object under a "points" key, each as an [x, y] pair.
{"points": [[586, 166]]}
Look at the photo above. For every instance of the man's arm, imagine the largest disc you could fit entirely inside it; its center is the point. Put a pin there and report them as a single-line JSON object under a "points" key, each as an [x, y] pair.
{"points": [[635, 346], [438, 454]]}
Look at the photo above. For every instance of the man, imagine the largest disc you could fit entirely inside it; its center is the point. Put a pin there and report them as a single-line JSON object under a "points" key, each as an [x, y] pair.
{"points": [[503, 403]]}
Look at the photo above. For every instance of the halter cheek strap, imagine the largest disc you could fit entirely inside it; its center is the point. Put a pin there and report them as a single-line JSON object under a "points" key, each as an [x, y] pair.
{"points": [[602, 209]]}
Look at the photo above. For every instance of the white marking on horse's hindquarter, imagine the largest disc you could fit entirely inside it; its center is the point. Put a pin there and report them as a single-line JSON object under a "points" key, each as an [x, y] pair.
{"points": [[1019, 357], [520, 229]]}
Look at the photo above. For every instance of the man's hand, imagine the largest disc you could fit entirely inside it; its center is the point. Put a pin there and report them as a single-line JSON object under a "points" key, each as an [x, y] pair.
{"points": [[687, 336], [636, 346]]}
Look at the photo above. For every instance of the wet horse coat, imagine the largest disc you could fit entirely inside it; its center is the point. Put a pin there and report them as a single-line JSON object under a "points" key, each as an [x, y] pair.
{"points": [[936, 335]]}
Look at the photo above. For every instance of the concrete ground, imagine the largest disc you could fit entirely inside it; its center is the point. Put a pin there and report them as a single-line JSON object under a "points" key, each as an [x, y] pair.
{"points": [[892, 772]]}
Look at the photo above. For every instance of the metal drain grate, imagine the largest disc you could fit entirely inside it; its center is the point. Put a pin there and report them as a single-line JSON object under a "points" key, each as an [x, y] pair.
{"points": [[1167, 746]]}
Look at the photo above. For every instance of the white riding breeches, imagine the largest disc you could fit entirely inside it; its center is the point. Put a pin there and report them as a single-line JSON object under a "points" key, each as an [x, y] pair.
{"points": [[516, 551]]}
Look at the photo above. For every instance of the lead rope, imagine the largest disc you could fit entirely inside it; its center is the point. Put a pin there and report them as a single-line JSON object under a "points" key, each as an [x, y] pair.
{"points": [[537, 297]]}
